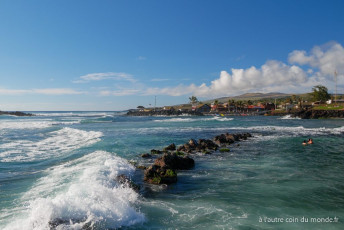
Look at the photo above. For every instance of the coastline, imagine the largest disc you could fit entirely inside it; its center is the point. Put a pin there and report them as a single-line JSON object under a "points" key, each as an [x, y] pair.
{"points": [[16, 113], [303, 114]]}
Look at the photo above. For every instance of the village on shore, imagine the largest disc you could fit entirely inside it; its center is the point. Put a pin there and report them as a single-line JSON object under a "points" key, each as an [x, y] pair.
{"points": [[318, 103]]}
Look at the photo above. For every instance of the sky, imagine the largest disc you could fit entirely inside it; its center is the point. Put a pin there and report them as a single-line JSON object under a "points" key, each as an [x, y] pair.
{"points": [[114, 55]]}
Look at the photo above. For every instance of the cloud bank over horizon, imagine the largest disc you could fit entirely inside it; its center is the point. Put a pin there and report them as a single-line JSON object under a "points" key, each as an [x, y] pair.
{"points": [[303, 71]]}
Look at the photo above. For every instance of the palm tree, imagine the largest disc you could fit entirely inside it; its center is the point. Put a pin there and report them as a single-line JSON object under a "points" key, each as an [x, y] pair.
{"points": [[216, 103], [193, 100]]}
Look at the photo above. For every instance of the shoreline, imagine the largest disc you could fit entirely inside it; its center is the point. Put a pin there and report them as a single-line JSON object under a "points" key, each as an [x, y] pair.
{"points": [[303, 114]]}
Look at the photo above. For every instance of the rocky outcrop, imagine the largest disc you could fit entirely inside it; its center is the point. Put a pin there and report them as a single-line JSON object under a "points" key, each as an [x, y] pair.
{"points": [[316, 114], [19, 114], [146, 155], [155, 174], [163, 171], [154, 151], [125, 181], [171, 147], [164, 168], [173, 161]]}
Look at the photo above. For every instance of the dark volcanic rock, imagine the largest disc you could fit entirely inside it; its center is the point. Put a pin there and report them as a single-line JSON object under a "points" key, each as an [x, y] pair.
{"points": [[220, 140], [316, 114], [171, 147], [17, 113], [145, 155], [205, 144], [193, 143], [154, 151], [173, 161], [155, 174], [124, 180]]}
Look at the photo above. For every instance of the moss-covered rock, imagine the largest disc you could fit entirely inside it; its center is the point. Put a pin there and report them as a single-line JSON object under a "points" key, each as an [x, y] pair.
{"points": [[224, 150]]}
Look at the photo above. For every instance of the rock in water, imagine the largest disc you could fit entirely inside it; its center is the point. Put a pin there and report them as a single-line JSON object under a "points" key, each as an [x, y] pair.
{"points": [[154, 151], [124, 180], [171, 147], [145, 155], [173, 161], [155, 174]]}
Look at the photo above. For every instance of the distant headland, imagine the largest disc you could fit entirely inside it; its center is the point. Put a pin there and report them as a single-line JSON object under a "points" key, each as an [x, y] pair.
{"points": [[16, 113]]}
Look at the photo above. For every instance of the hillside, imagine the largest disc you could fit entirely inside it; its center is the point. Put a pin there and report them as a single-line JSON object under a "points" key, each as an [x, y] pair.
{"points": [[252, 97]]}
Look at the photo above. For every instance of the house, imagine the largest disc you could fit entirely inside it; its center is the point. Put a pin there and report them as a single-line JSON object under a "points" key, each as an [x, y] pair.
{"points": [[171, 108], [255, 108], [140, 108], [204, 108], [269, 106]]}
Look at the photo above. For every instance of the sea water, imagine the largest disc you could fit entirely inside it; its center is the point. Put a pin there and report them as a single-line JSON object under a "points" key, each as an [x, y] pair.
{"points": [[58, 171]]}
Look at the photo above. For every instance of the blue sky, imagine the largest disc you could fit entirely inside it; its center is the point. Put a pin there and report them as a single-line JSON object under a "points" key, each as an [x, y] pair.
{"points": [[115, 55]]}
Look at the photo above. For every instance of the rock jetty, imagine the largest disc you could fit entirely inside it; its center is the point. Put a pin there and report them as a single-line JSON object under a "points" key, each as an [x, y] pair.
{"points": [[164, 169]]}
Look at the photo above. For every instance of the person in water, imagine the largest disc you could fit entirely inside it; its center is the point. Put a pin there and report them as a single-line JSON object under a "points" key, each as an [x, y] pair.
{"points": [[304, 143], [310, 141]]}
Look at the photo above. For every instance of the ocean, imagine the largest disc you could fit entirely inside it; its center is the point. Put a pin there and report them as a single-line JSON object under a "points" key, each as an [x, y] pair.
{"points": [[58, 171]]}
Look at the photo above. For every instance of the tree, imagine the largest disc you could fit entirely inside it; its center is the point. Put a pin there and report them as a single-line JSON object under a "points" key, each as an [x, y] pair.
{"points": [[216, 103], [193, 100], [320, 93]]}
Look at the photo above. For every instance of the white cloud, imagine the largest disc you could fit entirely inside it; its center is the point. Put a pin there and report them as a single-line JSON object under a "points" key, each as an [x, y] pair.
{"points": [[122, 92], [272, 76], [47, 91], [141, 58], [104, 76], [326, 58]]}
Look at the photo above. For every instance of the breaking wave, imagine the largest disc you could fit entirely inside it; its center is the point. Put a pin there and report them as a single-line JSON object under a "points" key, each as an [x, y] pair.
{"points": [[37, 124], [79, 194], [59, 142]]}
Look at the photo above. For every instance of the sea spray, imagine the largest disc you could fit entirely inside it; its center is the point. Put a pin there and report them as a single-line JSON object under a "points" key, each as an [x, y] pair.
{"points": [[82, 192], [58, 142]]}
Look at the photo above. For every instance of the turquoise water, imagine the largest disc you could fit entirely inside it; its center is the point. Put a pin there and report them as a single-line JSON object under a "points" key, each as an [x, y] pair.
{"points": [[61, 167]]}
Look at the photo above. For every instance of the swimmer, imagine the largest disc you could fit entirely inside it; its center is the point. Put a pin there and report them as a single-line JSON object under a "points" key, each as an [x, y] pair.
{"points": [[310, 141], [304, 143]]}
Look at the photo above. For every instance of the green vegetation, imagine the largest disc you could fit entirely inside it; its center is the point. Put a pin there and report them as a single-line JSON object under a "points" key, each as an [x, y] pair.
{"points": [[206, 152], [329, 107], [170, 173], [156, 179], [193, 100], [180, 153], [320, 93], [224, 150]]}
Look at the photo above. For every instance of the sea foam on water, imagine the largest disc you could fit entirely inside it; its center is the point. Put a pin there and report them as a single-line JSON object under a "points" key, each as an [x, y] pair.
{"points": [[83, 192], [58, 142]]}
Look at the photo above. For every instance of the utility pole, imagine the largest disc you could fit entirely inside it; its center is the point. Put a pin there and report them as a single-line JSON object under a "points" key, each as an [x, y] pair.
{"points": [[335, 80], [155, 104]]}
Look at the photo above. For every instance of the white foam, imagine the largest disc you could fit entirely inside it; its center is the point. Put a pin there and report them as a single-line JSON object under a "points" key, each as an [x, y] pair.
{"points": [[33, 124], [83, 191], [59, 142], [176, 120], [218, 119], [294, 131], [195, 119], [288, 117], [74, 114]]}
